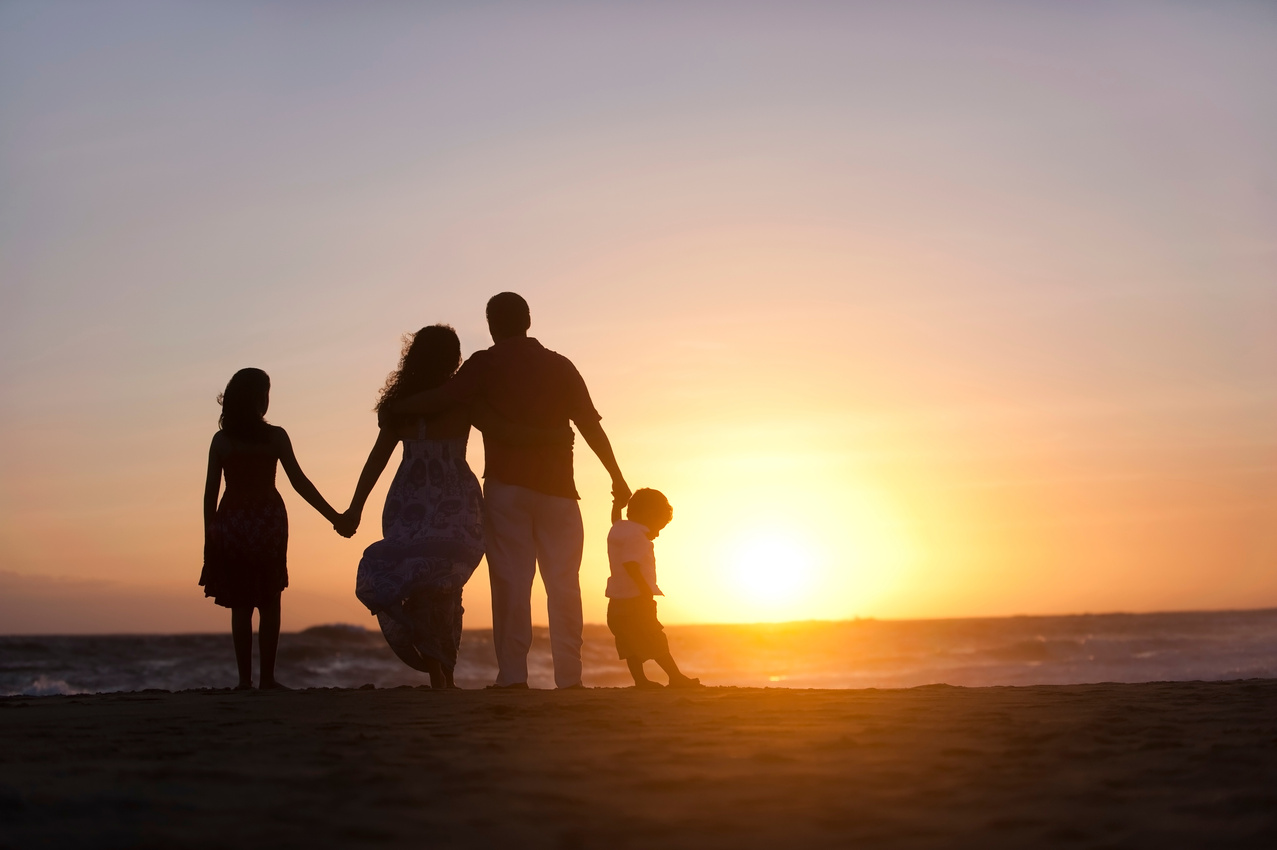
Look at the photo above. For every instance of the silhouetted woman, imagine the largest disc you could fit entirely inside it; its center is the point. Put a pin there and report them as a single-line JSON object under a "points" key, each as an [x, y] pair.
{"points": [[246, 536], [432, 524]]}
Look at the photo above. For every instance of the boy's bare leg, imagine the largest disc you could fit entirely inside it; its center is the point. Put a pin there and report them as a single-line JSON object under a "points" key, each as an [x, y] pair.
{"points": [[666, 662], [242, 637], [640, 678]]}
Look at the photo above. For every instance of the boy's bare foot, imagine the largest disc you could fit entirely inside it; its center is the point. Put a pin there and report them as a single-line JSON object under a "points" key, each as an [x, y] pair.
{"points": [[686, 682], [274, 686], [648, 685], [244, 686]]}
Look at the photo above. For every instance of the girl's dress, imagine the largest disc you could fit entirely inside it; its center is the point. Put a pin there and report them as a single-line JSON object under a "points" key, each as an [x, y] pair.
{"points": [[246, 552], [433, 540]]}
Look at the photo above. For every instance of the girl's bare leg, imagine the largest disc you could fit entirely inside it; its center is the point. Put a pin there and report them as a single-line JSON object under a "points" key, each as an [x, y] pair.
{"points": [[268, 641], [242, 637]]}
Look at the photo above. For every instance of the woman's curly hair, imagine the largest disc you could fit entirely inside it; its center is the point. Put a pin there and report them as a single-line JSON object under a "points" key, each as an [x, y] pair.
{"points": [[244, 404], [429, 357]]}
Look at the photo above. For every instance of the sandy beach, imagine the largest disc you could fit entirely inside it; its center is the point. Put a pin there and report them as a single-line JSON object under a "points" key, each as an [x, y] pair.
{"points": [[1113, 765]]}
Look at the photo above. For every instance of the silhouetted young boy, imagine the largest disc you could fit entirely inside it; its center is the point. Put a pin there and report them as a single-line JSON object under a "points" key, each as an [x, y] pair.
{"points": [[631, 589]]}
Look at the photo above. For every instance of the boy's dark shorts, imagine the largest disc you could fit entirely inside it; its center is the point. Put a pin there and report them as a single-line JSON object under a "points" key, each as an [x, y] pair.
{"points": [[639, 635]]}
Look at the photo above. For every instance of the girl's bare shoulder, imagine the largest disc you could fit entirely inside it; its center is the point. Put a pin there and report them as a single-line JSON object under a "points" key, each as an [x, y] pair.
{"points": [[279, 438]]}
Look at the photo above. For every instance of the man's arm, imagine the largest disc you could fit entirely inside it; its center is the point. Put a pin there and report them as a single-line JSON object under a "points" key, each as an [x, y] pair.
{"points": [[496, 427], [423, 404], [596, 439], [461, 387]]}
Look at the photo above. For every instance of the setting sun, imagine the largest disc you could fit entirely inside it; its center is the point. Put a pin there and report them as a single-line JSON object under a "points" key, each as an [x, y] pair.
{"points": [[771, 568]]}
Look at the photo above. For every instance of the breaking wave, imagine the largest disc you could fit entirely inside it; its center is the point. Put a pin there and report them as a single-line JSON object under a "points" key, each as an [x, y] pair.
{"points": [[854, 654]]}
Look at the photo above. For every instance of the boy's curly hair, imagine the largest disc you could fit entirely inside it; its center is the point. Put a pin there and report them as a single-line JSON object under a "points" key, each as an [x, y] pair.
{"points": [[647, 501]]}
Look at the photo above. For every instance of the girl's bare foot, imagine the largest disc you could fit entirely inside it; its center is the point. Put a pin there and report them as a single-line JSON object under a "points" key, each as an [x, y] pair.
{"points": [[244, 686], [272, 685]]}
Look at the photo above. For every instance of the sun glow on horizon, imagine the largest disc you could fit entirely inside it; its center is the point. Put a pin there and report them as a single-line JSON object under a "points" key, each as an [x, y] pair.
{"points": [[737, 553]]}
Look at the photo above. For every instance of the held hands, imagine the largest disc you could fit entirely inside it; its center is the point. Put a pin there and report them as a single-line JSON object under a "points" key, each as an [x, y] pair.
{"points": [[347, 524], [620, 498]]}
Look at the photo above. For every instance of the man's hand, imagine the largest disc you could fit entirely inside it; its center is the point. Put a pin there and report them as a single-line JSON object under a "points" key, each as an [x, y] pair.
{"points": [[620, 498]]}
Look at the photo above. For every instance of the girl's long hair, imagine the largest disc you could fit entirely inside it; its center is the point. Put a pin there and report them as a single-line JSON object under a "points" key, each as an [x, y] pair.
{"points": [[243, 406], [429, 357]]}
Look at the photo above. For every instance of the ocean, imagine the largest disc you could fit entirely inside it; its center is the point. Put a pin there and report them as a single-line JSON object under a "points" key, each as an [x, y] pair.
{"points": [[852, 654]]}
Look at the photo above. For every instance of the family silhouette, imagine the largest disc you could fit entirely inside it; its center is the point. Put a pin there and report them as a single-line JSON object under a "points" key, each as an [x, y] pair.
{"points": [[438, 522]]}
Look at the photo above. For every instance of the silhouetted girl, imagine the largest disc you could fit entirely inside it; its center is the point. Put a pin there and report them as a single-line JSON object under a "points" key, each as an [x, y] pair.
{"points": [[246, 536]]}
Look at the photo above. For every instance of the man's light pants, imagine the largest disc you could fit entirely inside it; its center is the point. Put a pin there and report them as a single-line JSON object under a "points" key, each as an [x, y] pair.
{"points": [[524, 529]]}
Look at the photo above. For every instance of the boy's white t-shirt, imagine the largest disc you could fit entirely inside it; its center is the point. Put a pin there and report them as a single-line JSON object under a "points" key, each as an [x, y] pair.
{"points": [[627, 541]]}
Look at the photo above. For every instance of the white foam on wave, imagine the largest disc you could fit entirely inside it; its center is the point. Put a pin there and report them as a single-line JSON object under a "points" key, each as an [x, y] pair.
{"points": [[856, 654], [43, 686]]}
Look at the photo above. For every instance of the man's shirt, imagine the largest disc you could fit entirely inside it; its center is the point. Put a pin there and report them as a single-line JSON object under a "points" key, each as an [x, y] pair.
{"points": [[526, 383]]}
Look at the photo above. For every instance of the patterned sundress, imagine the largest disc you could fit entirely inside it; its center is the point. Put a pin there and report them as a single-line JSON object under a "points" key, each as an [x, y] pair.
{"points": [[246, 551], [432, 527]]}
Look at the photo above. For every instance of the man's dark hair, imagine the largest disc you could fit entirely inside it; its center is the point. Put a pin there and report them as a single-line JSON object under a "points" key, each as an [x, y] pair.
{"points": [[508, 314], [648, 502]]}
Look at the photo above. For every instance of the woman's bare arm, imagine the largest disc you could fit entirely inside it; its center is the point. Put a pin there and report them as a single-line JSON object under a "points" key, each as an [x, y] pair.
{"points": [[382, 449], [308, 491]]}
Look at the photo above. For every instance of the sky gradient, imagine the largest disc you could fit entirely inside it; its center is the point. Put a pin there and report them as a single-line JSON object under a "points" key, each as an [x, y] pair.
{"points": [[913, 310]]}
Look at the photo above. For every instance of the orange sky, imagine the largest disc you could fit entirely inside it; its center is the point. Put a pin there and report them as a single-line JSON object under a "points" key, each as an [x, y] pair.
{"points": [[911, 313]]}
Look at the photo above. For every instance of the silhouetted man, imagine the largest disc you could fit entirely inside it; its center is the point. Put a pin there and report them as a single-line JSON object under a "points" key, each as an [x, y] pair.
{"points": [[530, 501]]}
